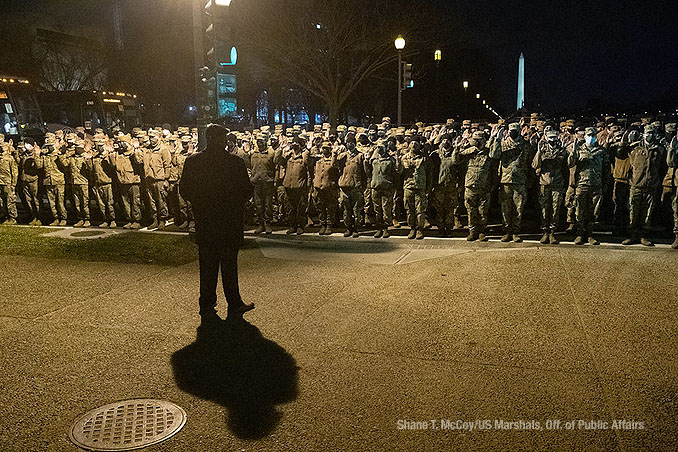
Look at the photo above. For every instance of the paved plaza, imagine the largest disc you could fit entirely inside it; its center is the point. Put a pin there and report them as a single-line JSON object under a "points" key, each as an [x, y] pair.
{"points": [[354, 345]]}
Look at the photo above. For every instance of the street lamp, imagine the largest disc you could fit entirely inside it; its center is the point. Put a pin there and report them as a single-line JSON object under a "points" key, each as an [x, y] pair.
{"points": [[477, 95], [438, 55], [465, 84], [400, 45]]}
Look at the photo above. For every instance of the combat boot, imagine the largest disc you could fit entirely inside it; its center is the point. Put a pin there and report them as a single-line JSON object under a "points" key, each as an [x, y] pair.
{"points": [[420, 234], [183, 225], [113, 225], [32, 222], [579, 240], [161, 225], [544, 238], [269, 229], [63, 223], [674, 245], [506, 238], [386, 234], [347, 233], [322, 230], [472, 236], [78, 224], [516, 238], [300, 231], [482, 237], [259, 229], [328, 230], [457, 223], [153, 225], [10, 222], [135, 225], [87, 224], [105, 225], [379, 233], [427, 224], [37, 222], [593, 241], [291, 230], [54, 223], [412, 234], [645, 242], [553, 240], [570, 228], [126, 226], [396, 224], [631, 241]]}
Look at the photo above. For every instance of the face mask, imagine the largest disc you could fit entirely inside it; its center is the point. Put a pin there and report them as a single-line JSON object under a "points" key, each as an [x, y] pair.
{"points": [[513, 134], [650, 138], [590, 141], [351, 145], [29, 146]]}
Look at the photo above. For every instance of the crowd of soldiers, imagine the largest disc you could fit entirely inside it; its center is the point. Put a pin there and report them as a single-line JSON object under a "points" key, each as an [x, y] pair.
{"points": [[375, 177], [131, 177]]}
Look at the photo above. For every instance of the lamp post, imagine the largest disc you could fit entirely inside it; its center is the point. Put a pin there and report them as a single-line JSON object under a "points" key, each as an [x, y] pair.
{"points": [[437, 57], [400, 45], [465, 85]]}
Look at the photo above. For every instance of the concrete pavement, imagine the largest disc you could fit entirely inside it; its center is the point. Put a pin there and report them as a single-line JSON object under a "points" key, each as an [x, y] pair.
{"points": [[347, 339]]}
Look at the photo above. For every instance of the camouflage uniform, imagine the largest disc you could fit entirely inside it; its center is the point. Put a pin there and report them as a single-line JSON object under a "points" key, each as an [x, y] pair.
{"points": [[52, 166], [415, 182], [296, 183], [352, 185], [589, 163], [128, 167], [324, 183], [77, 176], [9, 176], [263, 165], [446, 189], [550, 163], [102, 171], [156, 170], [29, 174], [479, 161], [514, 158]]}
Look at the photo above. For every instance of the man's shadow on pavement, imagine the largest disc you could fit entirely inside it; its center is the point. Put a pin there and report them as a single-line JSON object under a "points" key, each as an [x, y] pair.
{"points": [[233, 365]]}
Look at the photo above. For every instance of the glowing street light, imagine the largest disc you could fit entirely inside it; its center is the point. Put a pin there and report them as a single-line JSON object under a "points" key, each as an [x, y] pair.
{"points": [[400, 45], [465, 84], [477, 95], [438, 55]]}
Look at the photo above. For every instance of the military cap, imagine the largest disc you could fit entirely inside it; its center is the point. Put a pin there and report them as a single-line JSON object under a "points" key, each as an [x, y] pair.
{"points": [[185, 139], [352, 129], [657, 124], [563, 123], [645, 121], [327, 144], [551, 134], [381, 127], [514, 126], [341, 128], [591, 131], [670, 127], [98, 130], [478, 135], [570, 122], [260, 137], [408, 133], [466, 122], [126, 138], [449, 122], [194, 130], [650, 128], [49, 135], [326, 126], [386, 119], [265, 128], [501, 121], [600, 124], [183, 130], [317, 128]]}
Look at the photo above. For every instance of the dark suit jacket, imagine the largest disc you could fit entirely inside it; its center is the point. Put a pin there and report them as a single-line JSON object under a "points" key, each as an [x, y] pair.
{"points": [[217, 186]]}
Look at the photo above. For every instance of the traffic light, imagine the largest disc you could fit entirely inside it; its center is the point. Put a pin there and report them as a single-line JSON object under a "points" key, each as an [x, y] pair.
{"points": [[221, 56], [407, 76]]}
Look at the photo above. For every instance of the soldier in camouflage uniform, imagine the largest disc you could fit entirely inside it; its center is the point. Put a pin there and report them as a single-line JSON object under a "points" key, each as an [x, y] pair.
{"points": [[668, 187], [385, 172], [52, 163], [29, 174], [446, 189], [352, 184], [296, 183], [550, 164], [588, 160], [101, 176], [415, 182], [672, 162], [478, 158], [514, 157], [128, 163], [263, 161], [648, 165], [77, 176], [9, 176], [156, 169], [325, 185]]}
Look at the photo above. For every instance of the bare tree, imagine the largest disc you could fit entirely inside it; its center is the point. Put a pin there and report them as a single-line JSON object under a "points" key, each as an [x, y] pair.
{"points": [[327, 48]]}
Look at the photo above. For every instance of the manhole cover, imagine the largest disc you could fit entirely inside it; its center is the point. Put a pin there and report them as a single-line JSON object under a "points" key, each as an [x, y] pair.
{"points": [[92, 233], [127, 425]]}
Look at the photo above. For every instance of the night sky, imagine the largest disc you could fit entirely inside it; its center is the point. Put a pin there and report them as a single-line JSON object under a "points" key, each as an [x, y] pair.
{"points": [[576, 51]]}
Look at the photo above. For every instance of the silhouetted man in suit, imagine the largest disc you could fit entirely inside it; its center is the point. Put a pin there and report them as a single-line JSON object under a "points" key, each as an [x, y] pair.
{"points": [[216, 184]]}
